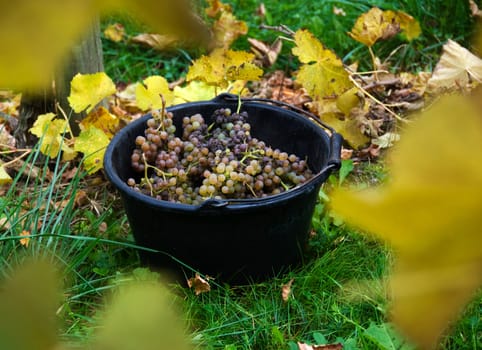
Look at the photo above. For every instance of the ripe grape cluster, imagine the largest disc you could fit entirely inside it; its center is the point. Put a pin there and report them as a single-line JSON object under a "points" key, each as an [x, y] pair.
{"points": [[219, 160]]}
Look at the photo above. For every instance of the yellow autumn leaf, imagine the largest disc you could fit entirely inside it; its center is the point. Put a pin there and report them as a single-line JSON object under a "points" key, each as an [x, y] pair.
{"points": [[430, 213], [215, 7], [374, 25], [92, 142], [40, 34], [149, 96], [223, 66], [115, 32], [5, 179], [87, 90], [194, 91], [456, 68], [227, 29], [49, 130], [101, 119], [409, 26], [26, 240], [322, 73]]}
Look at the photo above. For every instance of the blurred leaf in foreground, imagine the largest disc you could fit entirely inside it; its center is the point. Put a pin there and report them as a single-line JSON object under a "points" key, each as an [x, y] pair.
{"points": [[40, 34], [28, 304], [141, 315], [430, 213]]}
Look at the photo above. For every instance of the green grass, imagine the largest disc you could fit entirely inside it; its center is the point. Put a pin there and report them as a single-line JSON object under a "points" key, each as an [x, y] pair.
{"points": [[338, 293], [440, 21]]}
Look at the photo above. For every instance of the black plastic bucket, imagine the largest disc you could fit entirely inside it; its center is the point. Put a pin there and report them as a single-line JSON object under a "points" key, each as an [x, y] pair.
{"points": [[232, 240]]}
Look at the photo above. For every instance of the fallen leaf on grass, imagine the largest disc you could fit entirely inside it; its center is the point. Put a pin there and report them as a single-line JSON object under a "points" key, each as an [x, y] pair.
{"points": [[430, 213], [474, 9], [265, 53], [286, 290], [374, 25], [5, 179], [304, 346], [25, 241], [221, 67], [199, 284], [386, 140], [322, 73], [227, 29], [457, 68], [158, 42], [115, 32]]}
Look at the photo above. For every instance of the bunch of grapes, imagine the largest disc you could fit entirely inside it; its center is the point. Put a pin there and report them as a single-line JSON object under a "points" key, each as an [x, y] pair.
{"points": [[219, 160]]}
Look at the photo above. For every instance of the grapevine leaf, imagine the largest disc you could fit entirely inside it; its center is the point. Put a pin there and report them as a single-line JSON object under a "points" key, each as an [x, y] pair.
{"points": [[456, 68], [115, 32], [149, 96], [92, 142], [223, 66], [322, 73], [374, 25], [49, 131], [348, 127], [194, 91], [430, 213], [101, 119], [87, 90]]}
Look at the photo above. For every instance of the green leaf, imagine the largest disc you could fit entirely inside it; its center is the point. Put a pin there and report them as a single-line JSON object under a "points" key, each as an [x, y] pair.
{"points": [[319, 338], [345, 169], [386, 337]]}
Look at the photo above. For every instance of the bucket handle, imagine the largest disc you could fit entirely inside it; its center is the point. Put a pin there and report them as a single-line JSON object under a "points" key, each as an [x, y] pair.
{"points": [[336, 140]]}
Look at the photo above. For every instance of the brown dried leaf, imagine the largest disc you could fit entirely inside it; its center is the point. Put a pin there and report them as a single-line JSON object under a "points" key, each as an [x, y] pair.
{"points": [[474, 9], [199, 284], [156, 41], [266, 54], [286, 290], [457, 68]]}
